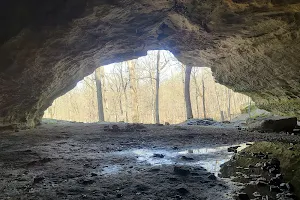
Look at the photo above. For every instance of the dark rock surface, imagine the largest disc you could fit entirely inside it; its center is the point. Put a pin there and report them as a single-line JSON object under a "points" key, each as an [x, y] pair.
{"points": [[273, 124], [48, 46]]}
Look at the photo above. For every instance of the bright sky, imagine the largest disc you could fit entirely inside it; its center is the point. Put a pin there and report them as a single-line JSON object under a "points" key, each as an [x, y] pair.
{"points": [[172, 67]]}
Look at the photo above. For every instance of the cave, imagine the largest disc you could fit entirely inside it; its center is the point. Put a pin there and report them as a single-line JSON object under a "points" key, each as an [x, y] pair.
{"points": [[47, 47]]}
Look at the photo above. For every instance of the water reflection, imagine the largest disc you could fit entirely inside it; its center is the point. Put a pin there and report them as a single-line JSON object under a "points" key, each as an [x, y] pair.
{"points": [[112, 169], [210, 158]]}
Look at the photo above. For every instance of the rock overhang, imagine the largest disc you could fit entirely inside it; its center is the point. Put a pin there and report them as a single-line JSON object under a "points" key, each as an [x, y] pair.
{"points": [[48, 46]]}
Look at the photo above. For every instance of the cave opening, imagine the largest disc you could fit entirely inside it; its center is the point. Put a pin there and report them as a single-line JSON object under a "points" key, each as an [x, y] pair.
{"points": [[164, 152], [120, 102]]}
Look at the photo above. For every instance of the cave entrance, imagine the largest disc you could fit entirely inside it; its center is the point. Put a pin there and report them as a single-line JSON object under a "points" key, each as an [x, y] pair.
{"points": [[130, 89]]}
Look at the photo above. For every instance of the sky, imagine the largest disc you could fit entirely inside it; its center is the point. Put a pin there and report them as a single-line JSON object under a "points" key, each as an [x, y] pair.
{"points": [[172, 67]]}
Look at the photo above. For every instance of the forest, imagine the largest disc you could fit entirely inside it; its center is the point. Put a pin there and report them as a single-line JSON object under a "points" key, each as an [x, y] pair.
{"points": [[156, 88]]}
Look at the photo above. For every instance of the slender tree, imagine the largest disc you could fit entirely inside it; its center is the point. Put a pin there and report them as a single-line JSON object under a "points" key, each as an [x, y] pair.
{"points": [[229, 103], [159, 68], [187, 95], [203, 95], [157, 88], [133, 91], [218, 103], [124, 84], [194, 76], [99, 93]]}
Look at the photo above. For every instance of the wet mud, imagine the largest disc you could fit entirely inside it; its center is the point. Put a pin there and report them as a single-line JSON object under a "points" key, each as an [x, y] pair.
{"points": [[85, 161]]}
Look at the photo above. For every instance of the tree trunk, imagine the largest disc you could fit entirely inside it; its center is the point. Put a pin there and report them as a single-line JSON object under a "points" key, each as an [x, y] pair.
{"points": [[125, 97], [197, 94], [104, 97], [218, 102], [187, 95], [120, 105], [249, 107], [229, 104], [157, 89], [203, 95], [151, 74], [133, 91], [99, 94]]}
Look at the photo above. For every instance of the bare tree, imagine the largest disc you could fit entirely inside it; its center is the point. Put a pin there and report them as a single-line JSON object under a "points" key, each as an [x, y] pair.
{"points": [[98, 73], [229, 103], [218, 103], [187, 95], [203, 95], [159, 67], [124, 84], [157, 88], [133, 91], [194, 76]]}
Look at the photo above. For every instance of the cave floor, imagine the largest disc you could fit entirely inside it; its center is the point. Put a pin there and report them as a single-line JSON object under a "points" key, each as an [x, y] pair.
{"points": [[82, 161]]}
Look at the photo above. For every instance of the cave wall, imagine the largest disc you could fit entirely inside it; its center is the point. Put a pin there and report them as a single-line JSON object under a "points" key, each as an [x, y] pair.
{"points": [[48, 46]]}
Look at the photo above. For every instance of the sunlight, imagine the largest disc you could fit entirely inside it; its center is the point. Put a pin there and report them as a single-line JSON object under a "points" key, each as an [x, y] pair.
{"points": [[208, 99]]}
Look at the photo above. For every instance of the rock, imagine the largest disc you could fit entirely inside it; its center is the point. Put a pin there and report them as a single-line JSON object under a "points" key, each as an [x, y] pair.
{"points": [[290, 195], [115, 128], [261, 183], [157, 155], [256, 194], [106, 128], [182, 189], [243, 196], [259, 155], [274, 188], [272, 124], [94, 174], [275, 181], [141, 187], [167, 124], [38, 179], [279, 176], [86, 181], [154, 170], [283, 186], [258, 165], [186, 158], [233, 149], [275, 162], [274, 170], [173, 179], [135, 127], [261, 179], [212, 177], [180, 170]]}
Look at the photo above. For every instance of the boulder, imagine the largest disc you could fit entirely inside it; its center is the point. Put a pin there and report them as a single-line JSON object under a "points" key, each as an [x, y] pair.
{"points": [[181, 170], [272, 124]]}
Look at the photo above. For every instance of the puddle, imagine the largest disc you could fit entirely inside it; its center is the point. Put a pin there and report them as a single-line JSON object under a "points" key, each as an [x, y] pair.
{"points": [[210, 158], [112, 169]]}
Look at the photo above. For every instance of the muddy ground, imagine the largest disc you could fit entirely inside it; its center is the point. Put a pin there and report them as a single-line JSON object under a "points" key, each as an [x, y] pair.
{"points": [[83, 161]]}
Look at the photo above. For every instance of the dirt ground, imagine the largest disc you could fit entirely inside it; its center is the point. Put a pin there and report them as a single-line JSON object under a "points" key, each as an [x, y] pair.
{"points": [[83, 161]]}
